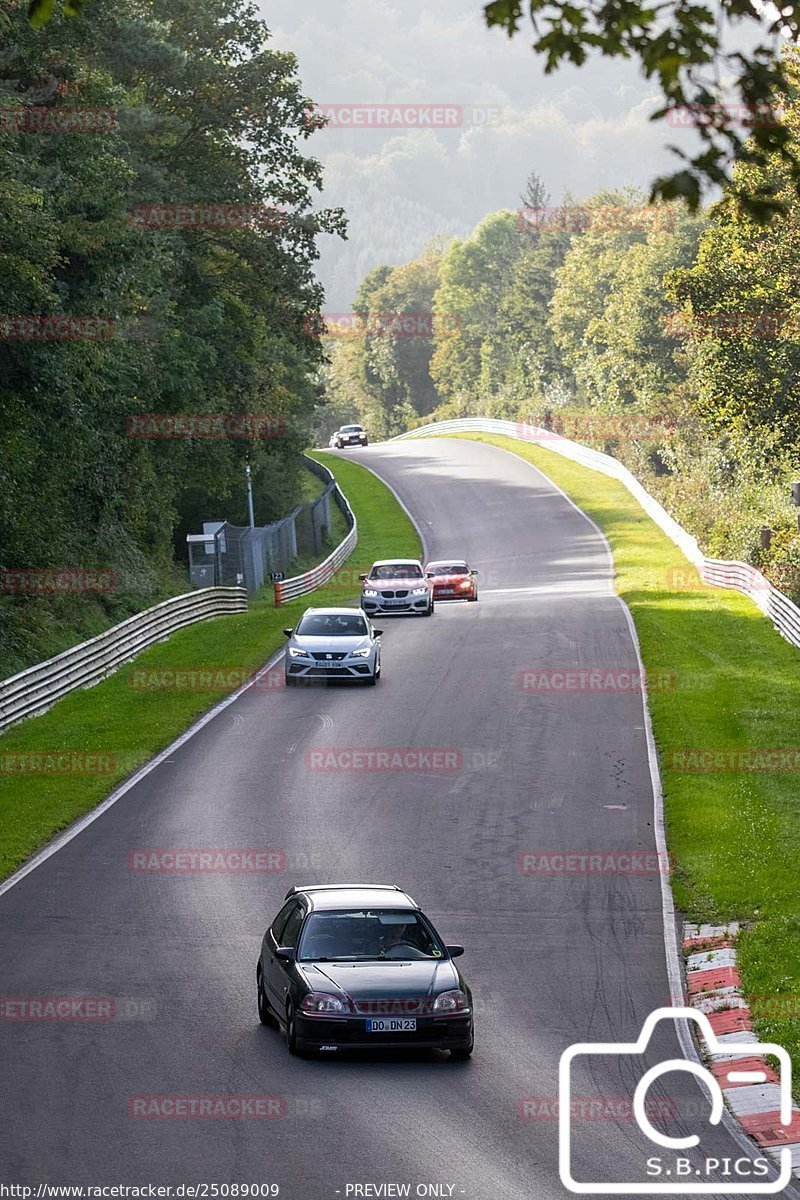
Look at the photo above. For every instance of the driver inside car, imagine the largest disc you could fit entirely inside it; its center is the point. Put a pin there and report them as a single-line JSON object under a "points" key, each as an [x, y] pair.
{"points": [[402, 941], [396, 936]]}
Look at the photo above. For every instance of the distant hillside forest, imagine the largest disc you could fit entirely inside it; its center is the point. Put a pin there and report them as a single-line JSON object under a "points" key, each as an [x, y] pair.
{"points": [[157, 247], [670, 340]]}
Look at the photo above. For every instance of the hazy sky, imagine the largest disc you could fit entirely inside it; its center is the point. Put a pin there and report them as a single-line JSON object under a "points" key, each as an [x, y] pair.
{"points": [[580, 129]]}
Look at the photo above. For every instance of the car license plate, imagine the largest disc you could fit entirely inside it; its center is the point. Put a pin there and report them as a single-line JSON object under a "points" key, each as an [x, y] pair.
{"points": [[391, 1025], [400, 601], [446, 591]]}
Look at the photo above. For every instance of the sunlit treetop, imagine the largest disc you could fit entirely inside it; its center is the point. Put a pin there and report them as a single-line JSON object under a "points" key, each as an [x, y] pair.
{"points": [[682, 45]]}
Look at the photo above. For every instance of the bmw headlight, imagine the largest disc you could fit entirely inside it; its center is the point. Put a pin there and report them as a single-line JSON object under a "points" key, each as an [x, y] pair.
{"points": [[451, 1002], [361, 653], [369, 592], [423, 591], [296, 652]]}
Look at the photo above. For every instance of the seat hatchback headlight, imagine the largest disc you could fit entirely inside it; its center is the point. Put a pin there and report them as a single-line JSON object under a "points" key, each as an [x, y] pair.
{"points": [[419, 591], [296, 652], [451, 1002], [321, 1002], [361, 653], [370, 592]]}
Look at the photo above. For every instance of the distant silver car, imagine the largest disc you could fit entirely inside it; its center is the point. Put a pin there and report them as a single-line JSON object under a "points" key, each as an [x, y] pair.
{"points": [[349, 435], [333, 643], [397, 585]]}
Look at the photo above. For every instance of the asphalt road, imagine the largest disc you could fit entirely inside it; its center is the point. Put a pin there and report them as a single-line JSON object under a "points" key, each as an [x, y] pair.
{"points": [[552, 958]]}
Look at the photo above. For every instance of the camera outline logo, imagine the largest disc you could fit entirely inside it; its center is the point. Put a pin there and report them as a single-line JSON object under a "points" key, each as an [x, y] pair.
{"points": [[714, 1046]]}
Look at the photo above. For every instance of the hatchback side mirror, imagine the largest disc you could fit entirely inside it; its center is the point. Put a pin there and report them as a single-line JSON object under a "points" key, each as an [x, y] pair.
{"points": [[455, 951], [377, 632], [286, 953], [362, 578], [429, 575], [288, 632]]}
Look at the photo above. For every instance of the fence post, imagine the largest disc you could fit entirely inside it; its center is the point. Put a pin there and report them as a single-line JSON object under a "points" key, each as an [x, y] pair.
{"points": [[278, 595]]}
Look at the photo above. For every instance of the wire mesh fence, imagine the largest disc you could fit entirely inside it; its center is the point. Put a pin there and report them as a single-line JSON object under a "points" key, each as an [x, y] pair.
{"points": [[237, 555]]}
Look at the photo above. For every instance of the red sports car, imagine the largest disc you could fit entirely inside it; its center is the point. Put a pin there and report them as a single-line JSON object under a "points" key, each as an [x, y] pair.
{"points": [[452, 579]]}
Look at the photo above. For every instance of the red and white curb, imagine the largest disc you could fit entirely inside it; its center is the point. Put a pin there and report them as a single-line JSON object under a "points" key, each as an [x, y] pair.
{"points": [[714, 988]]}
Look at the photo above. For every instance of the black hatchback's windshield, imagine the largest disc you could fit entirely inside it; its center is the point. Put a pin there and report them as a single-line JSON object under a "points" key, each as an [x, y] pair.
{"points": [[367, 934], [397, 571], [332, 625]]}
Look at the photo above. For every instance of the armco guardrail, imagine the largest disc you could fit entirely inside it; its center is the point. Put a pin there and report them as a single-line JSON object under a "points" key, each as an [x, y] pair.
{"points": [[741, 577], [34, 690], [300, 585]]}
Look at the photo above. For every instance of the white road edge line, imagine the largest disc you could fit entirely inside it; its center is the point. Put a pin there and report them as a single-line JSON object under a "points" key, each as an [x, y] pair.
{"points": [[667, 905], [72, 831], [420, 532]]}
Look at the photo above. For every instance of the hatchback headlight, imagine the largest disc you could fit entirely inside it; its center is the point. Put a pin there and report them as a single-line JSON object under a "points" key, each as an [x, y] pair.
{"points": [[370, 592], [361, 653], [296, 652], [419, 591], [321, 1002], [451, 1002]]}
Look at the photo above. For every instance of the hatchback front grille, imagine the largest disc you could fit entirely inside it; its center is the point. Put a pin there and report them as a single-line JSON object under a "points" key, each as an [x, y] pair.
{"points": [[334, 657], [402, 1007]]}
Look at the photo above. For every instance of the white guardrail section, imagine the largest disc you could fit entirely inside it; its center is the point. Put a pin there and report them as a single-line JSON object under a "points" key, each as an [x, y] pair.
{"points": [[300, 585], [34, 690], [717, 572]]}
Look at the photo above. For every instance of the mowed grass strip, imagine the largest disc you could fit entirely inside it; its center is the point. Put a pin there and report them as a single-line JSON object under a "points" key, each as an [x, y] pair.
{"points": [[734, 835], [125, 720]]}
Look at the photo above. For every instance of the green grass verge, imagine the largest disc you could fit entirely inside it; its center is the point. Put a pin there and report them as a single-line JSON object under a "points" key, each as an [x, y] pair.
{"points": [[734, 836], [125, 725]]}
